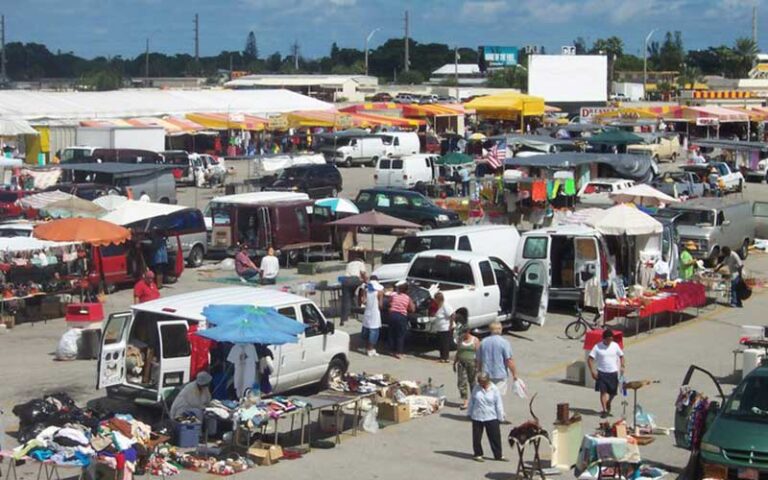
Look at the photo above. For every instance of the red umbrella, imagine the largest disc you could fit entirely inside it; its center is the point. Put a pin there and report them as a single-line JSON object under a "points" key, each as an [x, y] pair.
{"points": [[373, 219]]}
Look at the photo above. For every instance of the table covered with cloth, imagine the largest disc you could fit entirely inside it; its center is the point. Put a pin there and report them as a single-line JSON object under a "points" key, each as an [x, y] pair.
{"points": [[596, 450], [689, 294], [663, 302]]}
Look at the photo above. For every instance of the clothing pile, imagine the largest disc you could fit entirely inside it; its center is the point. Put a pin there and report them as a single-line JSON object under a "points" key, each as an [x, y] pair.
{"points": [[213, 465], [69, 445], [422, 399], [254, 413], [361, 383], [57, 410], [120, 442]]}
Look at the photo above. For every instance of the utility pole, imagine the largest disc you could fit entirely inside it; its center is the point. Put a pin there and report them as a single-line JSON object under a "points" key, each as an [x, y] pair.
{"points": [[3, 77], [295, 53], [754, 25], [368, 39], [146, 65], [407, 34], [645, 63], [456, 65], [197, 39]]}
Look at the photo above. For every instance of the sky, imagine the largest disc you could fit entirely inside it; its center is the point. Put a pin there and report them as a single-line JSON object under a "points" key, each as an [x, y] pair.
{"points": [[120, 27]]}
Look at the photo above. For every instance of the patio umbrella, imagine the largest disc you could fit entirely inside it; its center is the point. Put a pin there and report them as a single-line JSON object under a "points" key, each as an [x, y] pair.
{"points": [[39, 201], [110, 202], [73, 207], [586, 216], [250, 324], [625, 220], [338, 205], [373, 220], [87, 230], [477, 136], [644, 195]]}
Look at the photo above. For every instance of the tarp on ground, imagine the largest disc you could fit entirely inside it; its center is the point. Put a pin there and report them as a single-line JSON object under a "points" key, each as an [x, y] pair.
{"points": [[507, 106], [633, 167]]}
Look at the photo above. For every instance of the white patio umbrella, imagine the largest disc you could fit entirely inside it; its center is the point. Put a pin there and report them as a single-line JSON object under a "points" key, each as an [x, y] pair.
{"points": [[626, 220], [642, 194], [586, 216]]}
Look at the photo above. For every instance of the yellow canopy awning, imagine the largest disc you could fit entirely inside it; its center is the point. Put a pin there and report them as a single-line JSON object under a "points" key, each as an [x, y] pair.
{"points": [[628, 112], [507, 106], [227, 121]]}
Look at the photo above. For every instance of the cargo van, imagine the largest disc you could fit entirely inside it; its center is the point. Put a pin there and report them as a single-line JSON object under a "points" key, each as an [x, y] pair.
{"points": [[398, 144], [572, 254], [359, 151], [494, 240], [157, 181], [406, 172], [160, 330]]}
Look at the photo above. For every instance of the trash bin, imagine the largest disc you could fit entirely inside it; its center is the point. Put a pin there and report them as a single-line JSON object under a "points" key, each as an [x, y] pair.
{"points": [[90, 343]]}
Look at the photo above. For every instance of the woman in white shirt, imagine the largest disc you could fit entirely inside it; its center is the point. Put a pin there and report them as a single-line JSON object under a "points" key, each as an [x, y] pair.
{"points": [[374, 300], [444, 318]]}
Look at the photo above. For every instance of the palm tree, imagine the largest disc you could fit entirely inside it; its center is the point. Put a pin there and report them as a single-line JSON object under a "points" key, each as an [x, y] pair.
{"points": [[745, 51]]}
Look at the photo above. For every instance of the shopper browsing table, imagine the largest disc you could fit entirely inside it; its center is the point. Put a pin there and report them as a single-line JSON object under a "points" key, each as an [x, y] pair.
{"points": [[687, 261], [733, 262], [444, 320], [494, 357], [486, 410], [400, 306], [193, 398], [349, 284], [374, 300], [464, 364], [608, 357]]}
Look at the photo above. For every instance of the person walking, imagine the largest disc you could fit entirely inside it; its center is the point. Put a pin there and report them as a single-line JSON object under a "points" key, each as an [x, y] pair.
{"points": [[349, 284], [494, 357], [400, 305], [687, 261], [145, 289], [374, 301], [735, 265], [270, 267], [486, 410], [464, 364], [608, 357], [445, 317], [244, 266]]}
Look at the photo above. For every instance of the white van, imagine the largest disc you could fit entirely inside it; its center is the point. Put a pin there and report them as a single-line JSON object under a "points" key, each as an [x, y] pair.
{"points": [[405, 172], [598, 191], [401, 143], [159, 330], [360, 150], [572, 254], [499, 241]]}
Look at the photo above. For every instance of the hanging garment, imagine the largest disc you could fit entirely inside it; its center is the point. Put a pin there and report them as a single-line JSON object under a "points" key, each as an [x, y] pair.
{"points": [[539, 191], [550, 189], [570, 186], [200, 348], [555, 189], [243, 357], [593, 294]]}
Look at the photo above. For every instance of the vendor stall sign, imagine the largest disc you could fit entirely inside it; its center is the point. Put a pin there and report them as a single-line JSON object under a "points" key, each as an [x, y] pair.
{"points": [[279, 122], [588, 114], [707, 122]]}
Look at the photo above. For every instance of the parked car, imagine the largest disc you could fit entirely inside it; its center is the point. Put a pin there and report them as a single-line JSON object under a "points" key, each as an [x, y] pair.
{"points": [[87, 190], [406, 172], [107, 155], [404, 98], [497, 240], [407, 205], [713, 223], [316, 180], [16, 228], [735, 432], [760, 214], [760, 173], [381, 97], [184, 165], [598, 191], [733, 180], [658, 146], [320, 357], [681, 184], [365, 150]]}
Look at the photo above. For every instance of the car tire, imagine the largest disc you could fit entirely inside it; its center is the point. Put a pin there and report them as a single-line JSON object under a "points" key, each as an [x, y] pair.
{"points": [[196, 256], [348, 162], [336, 370], [428, 225], [744, 250], [165, 200], [518, 325]]}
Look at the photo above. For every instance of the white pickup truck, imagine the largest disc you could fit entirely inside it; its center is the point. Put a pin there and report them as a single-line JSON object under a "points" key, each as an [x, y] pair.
{"points": [[481, 289], [733, 180]]}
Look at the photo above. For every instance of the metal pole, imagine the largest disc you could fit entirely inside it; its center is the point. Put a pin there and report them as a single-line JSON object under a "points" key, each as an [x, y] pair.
{"points": [[407, 33], [645, 64], [146, 65], [368, 39]]}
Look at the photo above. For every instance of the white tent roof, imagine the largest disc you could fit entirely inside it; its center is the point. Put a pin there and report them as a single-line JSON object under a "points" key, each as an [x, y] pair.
{"points": [[27, 244], [132, 211], [11, 128], [42, 200], [463, 69], [642, 194], [626, 220], [586, 216], [29, 105]]}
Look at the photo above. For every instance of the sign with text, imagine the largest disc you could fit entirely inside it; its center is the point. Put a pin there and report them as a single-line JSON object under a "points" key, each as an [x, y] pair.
{"points": [[587, 114], [497, 57], [707, 122]]}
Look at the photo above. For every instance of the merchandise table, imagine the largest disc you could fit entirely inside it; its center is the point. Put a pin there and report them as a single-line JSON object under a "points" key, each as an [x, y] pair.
{"points": [[337, 401], [651, 307], [607, 451]]}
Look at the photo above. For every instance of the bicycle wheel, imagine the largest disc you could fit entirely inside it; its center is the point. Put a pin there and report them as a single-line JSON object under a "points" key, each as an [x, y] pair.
{"points": [[575, 330]]}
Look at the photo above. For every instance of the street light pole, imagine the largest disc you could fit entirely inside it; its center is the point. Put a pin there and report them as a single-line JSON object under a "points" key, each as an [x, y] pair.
{"points": [[368, 39], [645, 63]]}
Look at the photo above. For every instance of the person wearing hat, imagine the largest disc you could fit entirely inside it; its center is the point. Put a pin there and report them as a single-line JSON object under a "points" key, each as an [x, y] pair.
{"points": [[244, 266], [193, 398], [687, 261], [146, 288]]}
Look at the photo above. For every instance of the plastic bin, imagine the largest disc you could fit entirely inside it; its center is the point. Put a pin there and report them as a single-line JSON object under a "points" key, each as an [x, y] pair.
{"points": [[187, 435]]}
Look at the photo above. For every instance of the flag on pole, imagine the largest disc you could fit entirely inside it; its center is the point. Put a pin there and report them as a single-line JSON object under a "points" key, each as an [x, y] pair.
{"points": [[497, 154]]}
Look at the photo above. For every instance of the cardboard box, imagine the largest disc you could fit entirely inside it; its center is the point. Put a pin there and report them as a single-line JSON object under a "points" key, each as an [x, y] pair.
{"points": [[394, 412], [265, 454]]}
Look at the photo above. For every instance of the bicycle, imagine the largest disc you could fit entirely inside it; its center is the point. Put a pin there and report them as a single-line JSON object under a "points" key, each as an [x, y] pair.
{"points": [[578, 328]]}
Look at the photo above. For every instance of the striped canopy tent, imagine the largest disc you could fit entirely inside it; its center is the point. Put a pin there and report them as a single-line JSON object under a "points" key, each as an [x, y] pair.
{"points": [[756, 114], [172, 125], [376, 119], [667, 112], [322, 118], [229, 121], [433, 110], [507, 106], [722, 114], [372, 106]]}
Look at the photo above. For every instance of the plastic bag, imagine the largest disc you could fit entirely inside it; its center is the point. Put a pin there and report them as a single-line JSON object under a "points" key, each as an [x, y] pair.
{"points": [[644, 419], [369, 422], [519, 388], [67, 348], [34, 411]]}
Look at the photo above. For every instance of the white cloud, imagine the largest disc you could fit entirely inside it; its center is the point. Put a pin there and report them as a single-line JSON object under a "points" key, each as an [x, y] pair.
{"points": [[343, 3], [483, 8]]}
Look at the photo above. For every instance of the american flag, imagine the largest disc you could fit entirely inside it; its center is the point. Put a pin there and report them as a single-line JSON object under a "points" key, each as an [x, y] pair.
{"points": [[497, 154]]}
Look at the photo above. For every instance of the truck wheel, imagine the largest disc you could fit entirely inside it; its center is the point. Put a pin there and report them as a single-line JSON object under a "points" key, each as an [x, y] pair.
{"points": [[744, 250], [165, 200], [348, 162], [374, 161], [336, 370], [195, 258], [518, 325], [740, 188], [428, 225]]}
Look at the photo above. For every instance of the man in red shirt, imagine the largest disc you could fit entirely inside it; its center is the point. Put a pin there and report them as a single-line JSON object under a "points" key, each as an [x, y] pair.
{"points": [[145, 289]]}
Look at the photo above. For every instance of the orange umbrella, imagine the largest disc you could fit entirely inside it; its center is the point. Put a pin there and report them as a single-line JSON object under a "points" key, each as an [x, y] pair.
{"points": [[87, 230]]}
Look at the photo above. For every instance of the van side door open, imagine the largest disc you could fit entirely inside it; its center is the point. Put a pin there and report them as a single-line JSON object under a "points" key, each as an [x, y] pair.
{"points": [[586, 261], [532, 295], [111, 368], [175, 355]]}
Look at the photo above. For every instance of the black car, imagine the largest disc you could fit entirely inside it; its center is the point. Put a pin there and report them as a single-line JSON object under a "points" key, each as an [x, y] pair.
{"points": [[316, 180], [407, 205]]}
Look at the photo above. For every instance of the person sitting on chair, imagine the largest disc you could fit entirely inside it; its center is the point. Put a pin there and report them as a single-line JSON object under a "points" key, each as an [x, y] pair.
{"points": [[193, 398], [244, 266]]}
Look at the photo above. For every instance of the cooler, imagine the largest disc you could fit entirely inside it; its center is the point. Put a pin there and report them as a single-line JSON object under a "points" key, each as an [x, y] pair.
{"points": [[187, 435], [84, 315], [592, 338]]}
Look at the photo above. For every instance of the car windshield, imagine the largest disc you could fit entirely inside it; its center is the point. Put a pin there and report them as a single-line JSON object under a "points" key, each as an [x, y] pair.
{"points": [[705, 218], [442, 270], [406, 248], [291, 173], [749, 400]]}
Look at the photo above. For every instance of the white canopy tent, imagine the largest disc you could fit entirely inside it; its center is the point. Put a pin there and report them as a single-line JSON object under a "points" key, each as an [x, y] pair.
{"points": [[11, 128], [132, 211], [41, 200], [642, 194], [273, 163], [625, 220]]}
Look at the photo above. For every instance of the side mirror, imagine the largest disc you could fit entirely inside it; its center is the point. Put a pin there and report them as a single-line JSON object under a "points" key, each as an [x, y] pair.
{"points": [[330, 328]]}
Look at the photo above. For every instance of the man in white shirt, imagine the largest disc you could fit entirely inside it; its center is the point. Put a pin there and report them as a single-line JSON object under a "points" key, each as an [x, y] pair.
{"points": [[144, 197], [349, 283], [270, 267], [609, 359], [733, 262]]}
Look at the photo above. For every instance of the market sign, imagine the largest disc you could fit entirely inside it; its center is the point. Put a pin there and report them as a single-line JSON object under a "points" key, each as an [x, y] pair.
{"points": [[587, 114], [491, 57], [278, 122], [707, 122]]}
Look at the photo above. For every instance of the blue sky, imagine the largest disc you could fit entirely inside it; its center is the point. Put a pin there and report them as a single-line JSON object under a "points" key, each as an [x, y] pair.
{"points": [[111, 27]]}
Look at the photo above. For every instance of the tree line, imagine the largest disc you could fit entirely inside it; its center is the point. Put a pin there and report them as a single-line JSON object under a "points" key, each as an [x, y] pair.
{"points": [[33, 61]]}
